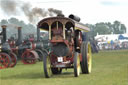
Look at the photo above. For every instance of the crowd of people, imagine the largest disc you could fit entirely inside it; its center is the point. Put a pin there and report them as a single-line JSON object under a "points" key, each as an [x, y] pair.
{"points": [[112, 46]]}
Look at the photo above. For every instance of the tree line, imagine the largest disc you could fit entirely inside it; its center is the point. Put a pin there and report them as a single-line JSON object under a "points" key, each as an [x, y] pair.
{"points": [[106, 28], [101, 28], [12, 25]]}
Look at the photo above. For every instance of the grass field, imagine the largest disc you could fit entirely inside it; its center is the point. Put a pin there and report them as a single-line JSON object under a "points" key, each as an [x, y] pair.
{"points": [[109, 68]]}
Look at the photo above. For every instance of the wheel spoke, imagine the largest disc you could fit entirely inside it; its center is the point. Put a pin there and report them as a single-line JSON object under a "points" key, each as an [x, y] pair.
{"points": [[4, 60], [29, 57]]}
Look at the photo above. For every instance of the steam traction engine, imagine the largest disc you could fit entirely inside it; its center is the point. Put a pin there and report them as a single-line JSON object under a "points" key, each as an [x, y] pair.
{"points": [[32, 50], [7, 57], [68, 50], [24, 49]]}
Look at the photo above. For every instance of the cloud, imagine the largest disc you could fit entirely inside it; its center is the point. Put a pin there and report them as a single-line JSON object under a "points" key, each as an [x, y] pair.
{"points": [[110, 3], [114, 3]]}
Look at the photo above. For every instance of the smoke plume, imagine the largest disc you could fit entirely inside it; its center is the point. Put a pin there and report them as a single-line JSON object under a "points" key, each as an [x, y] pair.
{"points": [[33, 13], [12, 7], [9, 6], [54, 11]]}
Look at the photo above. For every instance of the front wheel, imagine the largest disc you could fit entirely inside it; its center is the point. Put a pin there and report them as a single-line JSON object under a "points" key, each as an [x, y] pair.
{"points": [[76, 64], [86, 63], [47, 66]]}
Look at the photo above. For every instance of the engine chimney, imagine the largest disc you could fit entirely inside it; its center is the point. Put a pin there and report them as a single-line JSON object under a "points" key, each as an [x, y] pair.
{"points": [[4, 33], [74, 17], [19, 41]]}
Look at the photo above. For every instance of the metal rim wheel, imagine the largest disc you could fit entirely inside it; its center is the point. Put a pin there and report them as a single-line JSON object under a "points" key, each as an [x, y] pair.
{"points": [[13, 58], [40, 53], [89, 58], [56, 70], [29, 57], [47, 66], [5, 60], [76, 64], [86, 63]]}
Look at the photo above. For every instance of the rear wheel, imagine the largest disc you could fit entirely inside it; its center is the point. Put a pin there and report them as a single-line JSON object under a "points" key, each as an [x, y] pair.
{"points": [[14, 59], [5, 60], [76, 64], [29, 57], [47, 66], [86, 63], [40, 53]]}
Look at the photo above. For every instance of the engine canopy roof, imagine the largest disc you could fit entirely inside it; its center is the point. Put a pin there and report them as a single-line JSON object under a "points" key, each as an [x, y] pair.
{"points": [[45, 23]]}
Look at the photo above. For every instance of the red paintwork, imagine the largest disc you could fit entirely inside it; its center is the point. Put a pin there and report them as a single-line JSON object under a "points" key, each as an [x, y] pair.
{"points": [[4, 61], [28, 57], [13, 59]]}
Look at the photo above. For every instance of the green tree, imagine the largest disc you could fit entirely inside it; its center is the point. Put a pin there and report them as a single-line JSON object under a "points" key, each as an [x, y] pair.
{"points": [[4, 22], [106, 28], [13, 21], [101, 28], [123, 29], [110, 26], [119, 28], [91, 33]]}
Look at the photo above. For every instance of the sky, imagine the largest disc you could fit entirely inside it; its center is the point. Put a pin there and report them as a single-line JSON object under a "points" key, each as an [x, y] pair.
{"points": [[90, 11]]}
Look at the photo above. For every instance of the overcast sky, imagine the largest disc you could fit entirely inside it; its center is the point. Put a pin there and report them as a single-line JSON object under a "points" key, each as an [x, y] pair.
{"points": [[90, 11]]}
